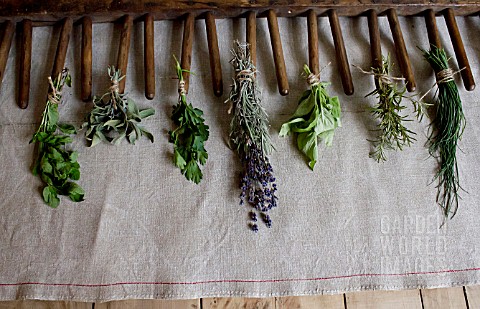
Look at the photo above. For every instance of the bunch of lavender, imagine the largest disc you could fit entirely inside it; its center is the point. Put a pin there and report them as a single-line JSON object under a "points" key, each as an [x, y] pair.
{"points": [[249, 136]]}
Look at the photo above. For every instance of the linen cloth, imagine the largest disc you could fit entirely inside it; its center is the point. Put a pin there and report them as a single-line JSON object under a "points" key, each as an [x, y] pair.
{"points": [[144, 231]]}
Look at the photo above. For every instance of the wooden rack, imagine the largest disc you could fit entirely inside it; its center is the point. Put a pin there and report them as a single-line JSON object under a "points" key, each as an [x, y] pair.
{"points": [[30, 13]]}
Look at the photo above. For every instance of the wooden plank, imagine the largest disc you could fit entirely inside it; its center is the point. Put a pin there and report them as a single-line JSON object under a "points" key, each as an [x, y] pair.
{"points": [[406, 299], [187, 45], [150, 304], [444, 298], [213, 51], [8, 30], [459, 49], [25, 63], [107, 10], [40, 304], [276, 41], [473, 296], [149, 56], [123, 49], [308, 302], [341, 53], [86, 61], [238, 302], [61, 54]]}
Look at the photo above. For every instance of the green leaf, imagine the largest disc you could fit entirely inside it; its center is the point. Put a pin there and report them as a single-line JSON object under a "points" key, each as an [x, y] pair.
{"points": [[52, 115], [67, 128], [50, 197], [193, 172], [68, 80], [95, 140], [75, 192], [178, 160], [74, 174], [73, 156], [117, 140], [307, 143], [147, 134], [146, 113], [112, 123]]}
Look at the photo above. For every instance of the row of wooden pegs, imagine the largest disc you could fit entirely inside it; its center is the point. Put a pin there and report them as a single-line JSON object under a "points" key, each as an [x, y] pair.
{"points": [[25, 49]]}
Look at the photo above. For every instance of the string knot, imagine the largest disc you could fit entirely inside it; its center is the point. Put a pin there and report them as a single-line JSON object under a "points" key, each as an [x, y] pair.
{"points": [[181, 88], [245, 75], [445, 76], [313, 79], [54, 95], [114, 87]]}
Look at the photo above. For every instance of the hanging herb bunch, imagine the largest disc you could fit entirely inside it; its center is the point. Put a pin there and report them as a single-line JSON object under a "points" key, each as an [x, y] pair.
{"points": [[317, 116], [250, 138], [55, 164], [392, 132], [115, 116], [448, 126], [190, 135]]}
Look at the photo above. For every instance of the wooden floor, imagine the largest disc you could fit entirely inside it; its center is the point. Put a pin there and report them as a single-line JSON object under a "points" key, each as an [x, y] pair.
{"points": [[458, 298]]}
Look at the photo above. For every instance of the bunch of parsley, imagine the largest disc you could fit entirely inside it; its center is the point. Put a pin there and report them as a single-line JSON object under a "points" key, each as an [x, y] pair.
{"points": [[190, 135]]}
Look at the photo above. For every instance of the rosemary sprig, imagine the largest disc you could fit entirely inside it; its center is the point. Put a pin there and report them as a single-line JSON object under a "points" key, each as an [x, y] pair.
{"points": [[448, 127], [55, 164], [317, 116], [393, 134], [250, 138], [190, 135], [115, 116]]}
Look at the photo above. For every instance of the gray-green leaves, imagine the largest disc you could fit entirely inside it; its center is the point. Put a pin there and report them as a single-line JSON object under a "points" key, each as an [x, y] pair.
{"points": [[190, 135], [115, 117], [55, 165], [317, 116]]}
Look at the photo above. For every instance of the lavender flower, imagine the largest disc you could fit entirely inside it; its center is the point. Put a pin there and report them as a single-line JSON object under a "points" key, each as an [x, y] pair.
{"points": [[249, 136]]}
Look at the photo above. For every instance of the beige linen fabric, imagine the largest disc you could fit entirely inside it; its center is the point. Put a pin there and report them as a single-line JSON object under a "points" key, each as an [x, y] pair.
{"points": [[145, 232]]}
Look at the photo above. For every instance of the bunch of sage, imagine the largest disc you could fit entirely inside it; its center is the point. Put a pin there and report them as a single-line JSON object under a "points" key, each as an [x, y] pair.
{"points": [[250, 138], [115, 116], [317, 116], [447, 129], [190, 135], [55, 164]]}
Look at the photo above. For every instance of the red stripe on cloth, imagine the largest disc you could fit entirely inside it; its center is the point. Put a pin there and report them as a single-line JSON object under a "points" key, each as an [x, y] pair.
{"points": [[241, 280]]}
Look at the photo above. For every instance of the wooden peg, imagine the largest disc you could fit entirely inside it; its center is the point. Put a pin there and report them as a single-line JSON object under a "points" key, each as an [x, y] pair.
{"points": [[25, 63], [280, 67], [86, 62], [215, 65], [313, 42], [5, 47], [61, 54], [401, 50], [149, 57], [122, 58], [341, 53], [432, 30], [252, 35], [375, 46], [187, 44], [459, 49]]}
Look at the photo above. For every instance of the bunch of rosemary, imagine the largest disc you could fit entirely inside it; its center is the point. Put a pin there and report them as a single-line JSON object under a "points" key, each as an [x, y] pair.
{"points": [[250, 138], [393, 134], [190, 135], [115, 116], [317, 116], [55, 164], [448, 126]]}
